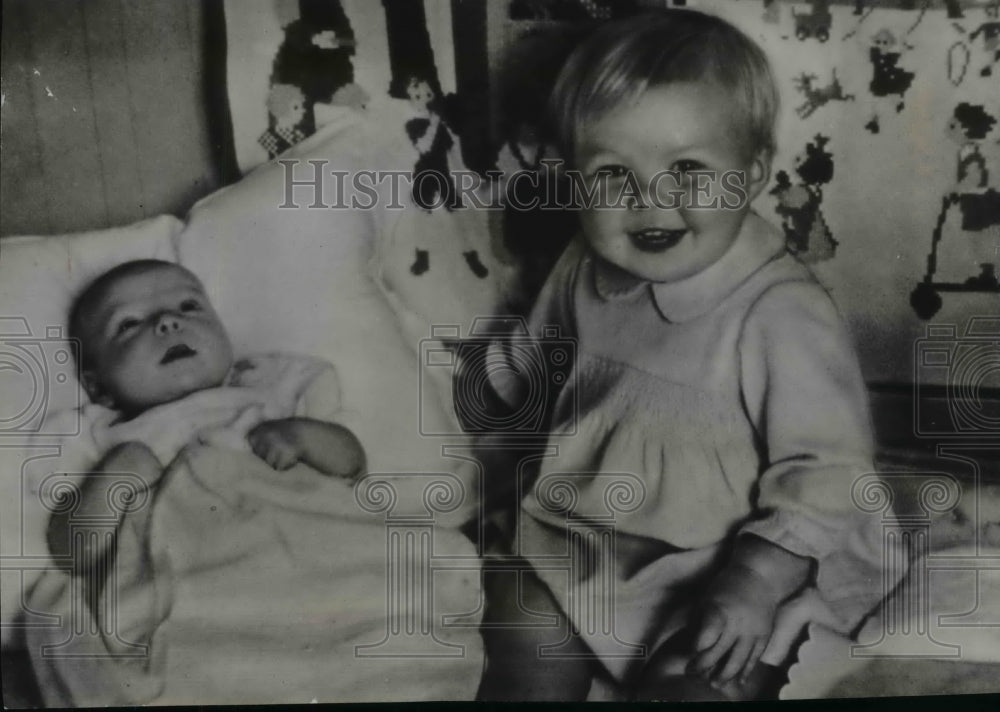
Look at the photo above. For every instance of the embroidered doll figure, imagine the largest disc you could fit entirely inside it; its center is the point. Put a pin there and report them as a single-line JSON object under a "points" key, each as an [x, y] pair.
{"points": [[969, 124], [978, 203], [806, 232], [990, 31], [285, 109], [316, 55], [888, 78], [433, 184]]}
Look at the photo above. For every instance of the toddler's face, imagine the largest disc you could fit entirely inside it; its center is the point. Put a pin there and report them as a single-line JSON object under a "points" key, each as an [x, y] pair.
{"points": [[661, 142], [153, 338]]}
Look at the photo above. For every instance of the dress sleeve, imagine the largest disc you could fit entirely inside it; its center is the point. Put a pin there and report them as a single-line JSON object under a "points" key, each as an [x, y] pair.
{"points": [[803, 389]]}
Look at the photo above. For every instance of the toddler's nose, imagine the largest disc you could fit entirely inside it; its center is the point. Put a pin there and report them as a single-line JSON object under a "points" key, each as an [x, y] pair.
{"points": [[167, 323]]}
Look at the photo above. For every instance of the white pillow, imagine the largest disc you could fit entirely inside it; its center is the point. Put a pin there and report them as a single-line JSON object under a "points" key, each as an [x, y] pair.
{"points": [[298, 279], [40, 276], [39, 279], [274, 274]]}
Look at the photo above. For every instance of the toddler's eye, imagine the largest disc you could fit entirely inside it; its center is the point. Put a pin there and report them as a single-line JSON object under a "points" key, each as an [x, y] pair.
{"points": [[190, 305], [126, 325], [613, 170], [687, 165]]}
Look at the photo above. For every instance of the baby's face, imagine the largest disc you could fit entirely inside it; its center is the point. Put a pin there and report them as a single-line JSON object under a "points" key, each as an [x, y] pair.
{"points": [[153, 338], [661, 143]]}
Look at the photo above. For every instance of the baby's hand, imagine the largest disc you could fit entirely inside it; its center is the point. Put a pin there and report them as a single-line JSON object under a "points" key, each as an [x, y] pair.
{"points": [[330, 448], [277, 442], [737, 618]]}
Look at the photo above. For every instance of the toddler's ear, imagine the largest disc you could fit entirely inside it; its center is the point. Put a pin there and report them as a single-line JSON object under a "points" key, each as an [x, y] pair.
{"points": [[759, 175], [97, 395]]}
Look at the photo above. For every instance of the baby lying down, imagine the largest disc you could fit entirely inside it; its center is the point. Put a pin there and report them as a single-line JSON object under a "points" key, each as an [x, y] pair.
{"points": [[159, 369], [150, 345]]}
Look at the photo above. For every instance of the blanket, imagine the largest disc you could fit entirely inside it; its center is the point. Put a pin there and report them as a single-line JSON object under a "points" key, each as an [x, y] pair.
{"points": [[247, 585], [938, 635], [266, 587]]}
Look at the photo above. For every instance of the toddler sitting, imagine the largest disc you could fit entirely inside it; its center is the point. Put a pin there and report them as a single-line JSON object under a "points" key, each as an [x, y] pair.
{"points": [[696, 486]]}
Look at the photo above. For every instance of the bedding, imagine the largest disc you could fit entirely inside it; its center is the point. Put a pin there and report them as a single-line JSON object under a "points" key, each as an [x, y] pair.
{"points": [[248, 585], [39, 277], [951, 646], [298, 280], [939, 630]]}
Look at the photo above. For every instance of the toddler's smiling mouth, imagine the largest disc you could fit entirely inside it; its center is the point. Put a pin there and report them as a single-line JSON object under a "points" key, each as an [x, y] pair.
{"points": [[655, 239], [177, 352]]}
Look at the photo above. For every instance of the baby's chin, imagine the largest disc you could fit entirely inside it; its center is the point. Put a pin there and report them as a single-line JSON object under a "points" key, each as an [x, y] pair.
{"points": [[138, 403]]}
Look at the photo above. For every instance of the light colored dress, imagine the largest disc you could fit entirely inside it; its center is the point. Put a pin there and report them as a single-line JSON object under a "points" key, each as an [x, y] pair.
{"points": [[730, 402]]}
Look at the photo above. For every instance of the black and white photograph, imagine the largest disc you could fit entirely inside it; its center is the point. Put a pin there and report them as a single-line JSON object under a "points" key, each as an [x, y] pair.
{"points": [[499, 351]]}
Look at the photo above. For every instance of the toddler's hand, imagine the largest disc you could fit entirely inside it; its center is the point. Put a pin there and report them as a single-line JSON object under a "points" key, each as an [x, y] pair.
{"points": [[277, 443], [737, 618]]}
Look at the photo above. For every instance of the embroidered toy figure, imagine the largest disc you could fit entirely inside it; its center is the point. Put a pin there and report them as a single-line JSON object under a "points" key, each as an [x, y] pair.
{"points": [[815, 23], [433, 184], [978, 203], [978, 238], [970, 123], [285, 111], [817, 97], [316, 56], [888, 79], [991, 37], [806, 231]]}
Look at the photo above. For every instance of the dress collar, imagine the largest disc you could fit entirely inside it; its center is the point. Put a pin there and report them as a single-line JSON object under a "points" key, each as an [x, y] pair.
{"points": [[757, 244]]}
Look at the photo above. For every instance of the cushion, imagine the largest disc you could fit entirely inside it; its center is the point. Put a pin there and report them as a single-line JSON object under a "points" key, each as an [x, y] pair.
{"points": [[39, 279], [299, 279]]}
